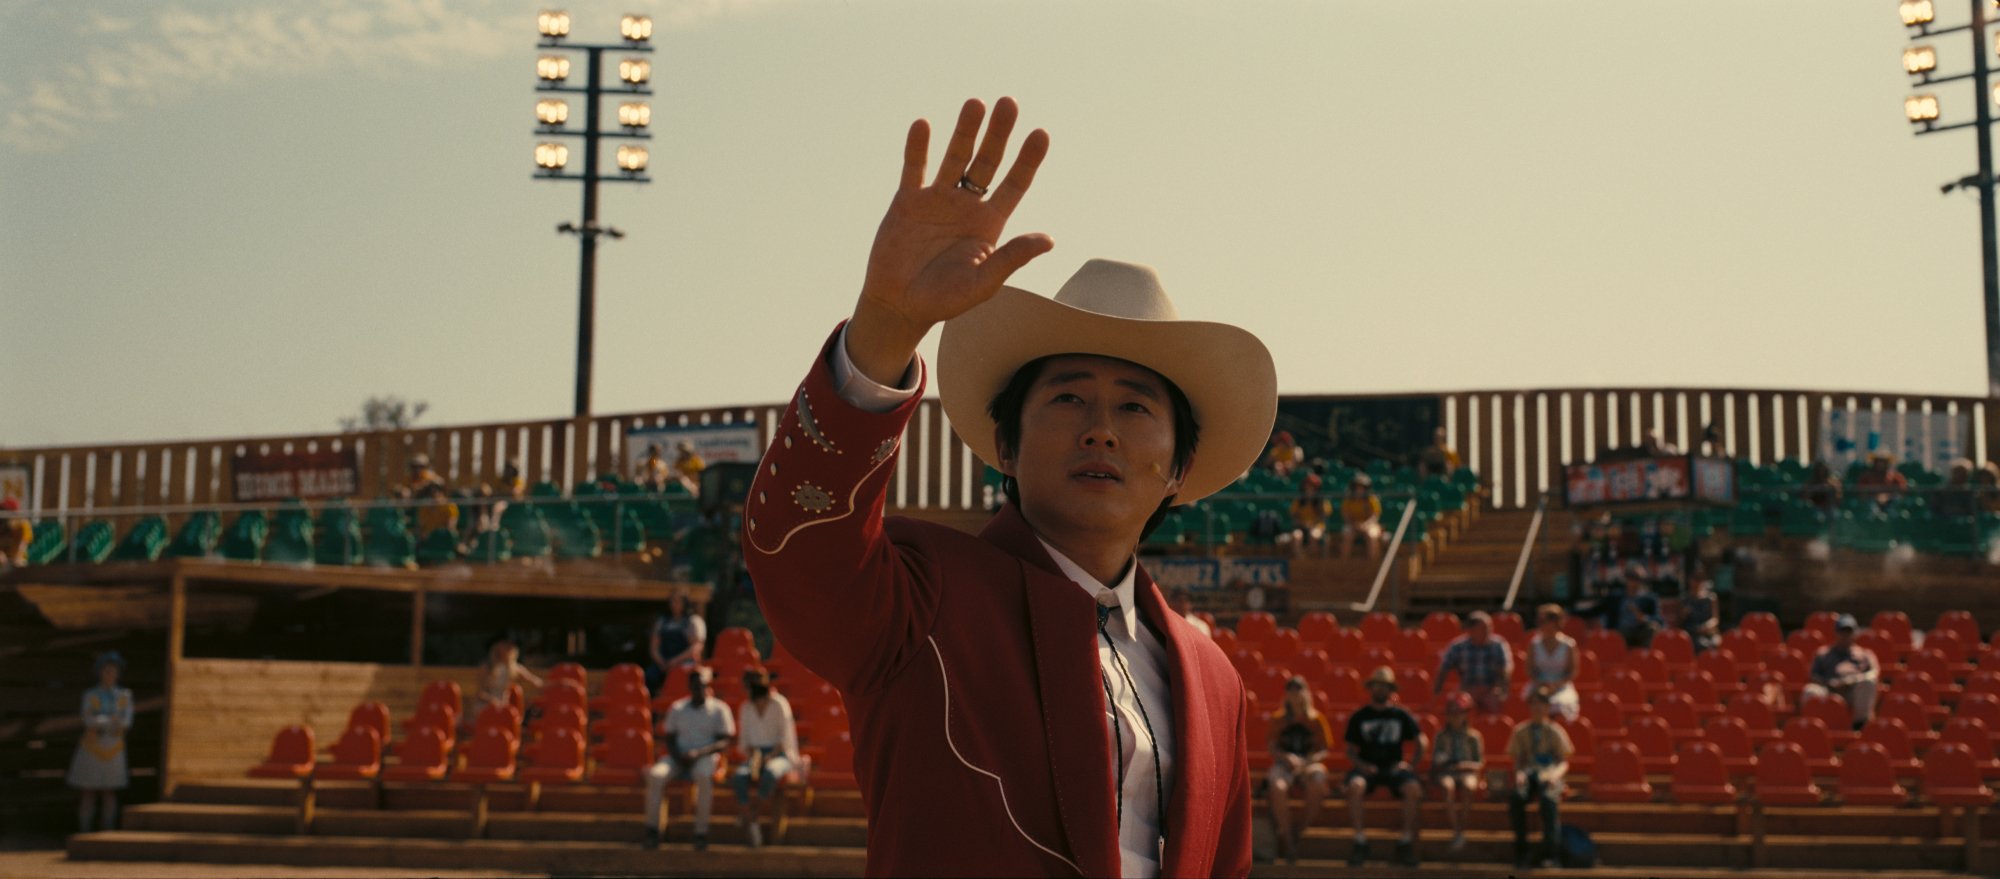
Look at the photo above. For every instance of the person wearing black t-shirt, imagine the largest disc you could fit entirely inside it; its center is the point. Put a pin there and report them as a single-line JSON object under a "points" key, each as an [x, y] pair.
{"points": [[1376, 734]]}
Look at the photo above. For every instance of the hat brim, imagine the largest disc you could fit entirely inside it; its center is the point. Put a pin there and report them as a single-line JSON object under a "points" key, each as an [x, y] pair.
{"points": [[1225, 372]]}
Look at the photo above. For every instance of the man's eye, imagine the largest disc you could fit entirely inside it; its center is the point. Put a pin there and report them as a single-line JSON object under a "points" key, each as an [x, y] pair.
{"points": [[1066, 398], [1137, 407]]}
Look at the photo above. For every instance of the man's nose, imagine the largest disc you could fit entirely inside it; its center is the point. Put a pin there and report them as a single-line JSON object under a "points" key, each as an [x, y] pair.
{"points": [[1098, 432]]}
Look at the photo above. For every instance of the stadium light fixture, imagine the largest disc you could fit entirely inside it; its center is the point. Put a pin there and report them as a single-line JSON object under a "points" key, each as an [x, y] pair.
{"points": [[552, 112], [1919, 59], [635, 114], [553, 23], [1917, 12], [632, 159], [635, 71], [551, 156], [552, 68], [1921, 108], [636, 28]]}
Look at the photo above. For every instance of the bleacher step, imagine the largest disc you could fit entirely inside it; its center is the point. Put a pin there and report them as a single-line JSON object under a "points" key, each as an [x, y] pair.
{"points": [[568, 859]]}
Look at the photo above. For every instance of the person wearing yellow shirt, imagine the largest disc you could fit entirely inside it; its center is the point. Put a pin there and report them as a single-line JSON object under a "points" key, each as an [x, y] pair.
{"points": [[1361, 518], [437, 512], [688, 466], [16, 534], [1309, 514]]}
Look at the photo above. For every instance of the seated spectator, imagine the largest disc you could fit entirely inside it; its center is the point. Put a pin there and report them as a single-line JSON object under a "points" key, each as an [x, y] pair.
{"points": [[1655, 446], [1309, 514], [1638, 611], [16, 535], [498, 674], [1438, 458], [1285, 455], [512, 486], [1541, 750], [1986, 488], [1822, 487], [770, 740], [652, 474], [1552, 660], [1882, 482], [1846, 669], [1183, 603], [1483, 663], [696, 729], [437, 511], [677, 641], [1361, 518], [1376, 734], [1458, 760], [1954, 499], [1300, 742], [421, 474], [1699, 616], [688, 467]]}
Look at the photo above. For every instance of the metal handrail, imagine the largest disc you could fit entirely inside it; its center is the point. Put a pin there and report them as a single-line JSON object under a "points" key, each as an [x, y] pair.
{"points": [[1527, 551], [1388, 559]]}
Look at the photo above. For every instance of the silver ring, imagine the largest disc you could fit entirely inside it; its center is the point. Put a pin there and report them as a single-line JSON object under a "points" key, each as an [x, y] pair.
{"points": [[965, 183]]}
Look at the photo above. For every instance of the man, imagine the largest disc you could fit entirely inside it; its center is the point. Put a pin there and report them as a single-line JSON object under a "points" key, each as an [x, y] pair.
{"points": [[1846, 669], [421, 475], [1484, 663], [652, 473], [1638, 612], [1023, 702], [1881, 475], [1439, 458], [688, 466], [770, 738], [1361, 517], [696, 729], [1376, 734], [1540, 750]]}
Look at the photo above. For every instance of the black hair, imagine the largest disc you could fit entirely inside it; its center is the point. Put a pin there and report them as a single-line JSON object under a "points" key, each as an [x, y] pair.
{"points": [[1005, 410]]}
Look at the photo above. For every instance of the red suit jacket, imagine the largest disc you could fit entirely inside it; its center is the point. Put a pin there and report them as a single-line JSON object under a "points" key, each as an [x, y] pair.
{"points": [[969, 669]]}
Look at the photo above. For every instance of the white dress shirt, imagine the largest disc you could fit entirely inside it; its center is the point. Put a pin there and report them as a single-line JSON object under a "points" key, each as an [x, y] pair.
{"points": [[1139, 842]]}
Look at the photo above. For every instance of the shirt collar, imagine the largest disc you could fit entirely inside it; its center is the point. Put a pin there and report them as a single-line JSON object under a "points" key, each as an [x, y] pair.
{"points": [[1127, 608]]}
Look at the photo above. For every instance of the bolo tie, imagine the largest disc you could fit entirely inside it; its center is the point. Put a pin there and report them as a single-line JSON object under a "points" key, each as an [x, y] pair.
{"points": [[1106, 603]]}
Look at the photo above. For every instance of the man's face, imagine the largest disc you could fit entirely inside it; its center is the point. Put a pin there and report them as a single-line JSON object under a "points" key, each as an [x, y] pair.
{"points": [[1843, 638], [1477, 632], [697, 688], [1380, 693], [1097, 446]]}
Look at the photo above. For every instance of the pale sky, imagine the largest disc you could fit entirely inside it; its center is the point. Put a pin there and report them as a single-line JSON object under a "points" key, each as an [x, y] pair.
{"points": [[244, 218]]}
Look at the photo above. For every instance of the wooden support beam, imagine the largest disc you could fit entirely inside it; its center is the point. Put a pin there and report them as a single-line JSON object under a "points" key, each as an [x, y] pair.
{"points": [[176, 646], [417, 628]]}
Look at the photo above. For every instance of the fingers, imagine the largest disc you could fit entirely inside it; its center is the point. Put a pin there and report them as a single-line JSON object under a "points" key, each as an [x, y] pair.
{"points": [[987, 164], [959, 151], [1016, 253], [916, 151], [1033, 150]]}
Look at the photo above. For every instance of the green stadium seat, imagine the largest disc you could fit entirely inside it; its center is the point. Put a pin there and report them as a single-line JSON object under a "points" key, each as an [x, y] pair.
{"points": [[143, 541], [198, 536], [575, 536], [1864, 532], [545, 490], [290, 540], [244, 541], [337, 540], [48, 544], [388, 541], [528, 534], [438, 547], [490, 547], [1799, 519], [94, 541]]}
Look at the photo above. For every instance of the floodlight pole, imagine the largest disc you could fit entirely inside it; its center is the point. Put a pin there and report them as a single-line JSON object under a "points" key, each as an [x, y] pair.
{"points": [[1989, 248]]}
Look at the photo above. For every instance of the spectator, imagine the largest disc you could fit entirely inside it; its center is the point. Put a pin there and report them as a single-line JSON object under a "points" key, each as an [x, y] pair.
{"points": [[99, 768], [498, 673], [677, 642], [1285, 455], [1300, 742], [1458, 759], [16, 535], [1439, 458], [512, 486], [1552, 661], [696, 730], [1540, 750], [1699, 614], [1822, 487], [1986, 489], [688, 466], [1376, 734], [421, 474], [1846, 669], [1711, 445], [437, 512], [1881, 481], [1954, 499], [652, 474], [1361, 518], [1309, 514], [770, 738], [1183, 603], [1483, 663], [1638, 611]]}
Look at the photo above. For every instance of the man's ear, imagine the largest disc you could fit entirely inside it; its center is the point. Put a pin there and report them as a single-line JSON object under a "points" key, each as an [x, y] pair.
{"points": [[1179, 477], [1006, 463]]}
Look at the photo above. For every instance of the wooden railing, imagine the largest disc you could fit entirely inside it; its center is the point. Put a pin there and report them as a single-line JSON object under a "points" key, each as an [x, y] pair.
{"points": [[1517, 440]]}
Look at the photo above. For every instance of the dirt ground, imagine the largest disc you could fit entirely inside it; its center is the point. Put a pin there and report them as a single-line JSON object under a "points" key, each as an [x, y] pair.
{"points": [[55, 864]]}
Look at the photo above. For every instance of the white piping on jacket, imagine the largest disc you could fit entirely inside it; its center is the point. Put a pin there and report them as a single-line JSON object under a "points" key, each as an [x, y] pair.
{"points": [[946, 680]]}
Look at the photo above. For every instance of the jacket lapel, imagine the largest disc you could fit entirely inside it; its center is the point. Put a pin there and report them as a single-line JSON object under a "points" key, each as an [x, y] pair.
{"points": [[1063, 624], [1192, 816]]}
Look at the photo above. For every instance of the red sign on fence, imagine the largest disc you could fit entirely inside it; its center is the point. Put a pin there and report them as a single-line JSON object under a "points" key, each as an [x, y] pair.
{"points": [[302, 475]]}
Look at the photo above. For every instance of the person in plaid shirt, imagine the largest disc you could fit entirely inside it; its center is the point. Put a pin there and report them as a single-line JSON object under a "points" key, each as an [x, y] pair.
{"points": [[1482, 661]]}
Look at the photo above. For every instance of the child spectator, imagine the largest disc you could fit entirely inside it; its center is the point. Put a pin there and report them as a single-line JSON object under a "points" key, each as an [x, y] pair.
{"points": [[1822, 487], [1881, 481], [1458, 759], [1638, 612], [498, 674], [1285, 455], [770, 738], [1376, 734], [688, 466], [1300, 742], [1361, 518], [1541, 751], [653, 473], [16, 535], [696, 730], [99, 768], [1309, 514], [437, 512]]}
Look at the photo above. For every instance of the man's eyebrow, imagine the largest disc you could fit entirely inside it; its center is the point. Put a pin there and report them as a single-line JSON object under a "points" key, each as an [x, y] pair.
{"points": [[1075, 375]]}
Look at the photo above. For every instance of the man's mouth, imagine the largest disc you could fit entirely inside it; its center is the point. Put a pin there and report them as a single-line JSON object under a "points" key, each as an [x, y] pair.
{"points": [[1096, 472]]}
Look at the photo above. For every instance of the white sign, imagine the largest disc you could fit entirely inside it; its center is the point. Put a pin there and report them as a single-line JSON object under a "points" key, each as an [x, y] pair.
{"points": [[1933, 440], [715, 443], [16, 481]]}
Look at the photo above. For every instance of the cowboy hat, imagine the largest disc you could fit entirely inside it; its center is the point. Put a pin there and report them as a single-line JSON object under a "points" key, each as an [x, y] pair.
{"points": [[1115, 309], [1383, 675]]}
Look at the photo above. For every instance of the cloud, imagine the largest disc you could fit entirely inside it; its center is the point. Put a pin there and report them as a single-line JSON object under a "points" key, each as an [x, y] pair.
{"points": [[171, 52]]}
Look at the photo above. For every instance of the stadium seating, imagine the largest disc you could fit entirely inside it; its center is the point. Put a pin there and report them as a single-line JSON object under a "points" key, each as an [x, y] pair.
{"points": [[291, 756], [423, 755], [1952, 778], [1700, 776], [1867, 777], [1784, 778], [356, 756], [1618, 776]]}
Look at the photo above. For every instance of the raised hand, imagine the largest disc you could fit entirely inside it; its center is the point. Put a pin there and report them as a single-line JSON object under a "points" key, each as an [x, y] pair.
{"points": [[937, 253]]}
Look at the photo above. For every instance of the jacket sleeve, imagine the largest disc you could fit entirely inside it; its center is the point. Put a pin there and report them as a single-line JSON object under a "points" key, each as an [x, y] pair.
{"points": [[1233, 850], [847, 602]]}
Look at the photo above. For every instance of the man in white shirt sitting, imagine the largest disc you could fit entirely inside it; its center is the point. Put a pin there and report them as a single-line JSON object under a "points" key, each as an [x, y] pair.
{"points": [[770, 739], [697, 729]]}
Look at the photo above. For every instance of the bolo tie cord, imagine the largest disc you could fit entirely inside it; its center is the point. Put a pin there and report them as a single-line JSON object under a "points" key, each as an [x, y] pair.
{"points": [[1118, 737]]}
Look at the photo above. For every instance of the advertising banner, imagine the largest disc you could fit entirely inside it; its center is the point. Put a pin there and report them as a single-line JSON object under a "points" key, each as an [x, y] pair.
{"points": [[1637, 480], [715, 443], [16, 481], [1933, 439], [302, 475], [1227, 586]]}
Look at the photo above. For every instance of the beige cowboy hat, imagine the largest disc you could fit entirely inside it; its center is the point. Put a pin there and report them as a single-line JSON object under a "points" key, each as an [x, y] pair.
{"points": [[1383, 675], [1115, 309]]}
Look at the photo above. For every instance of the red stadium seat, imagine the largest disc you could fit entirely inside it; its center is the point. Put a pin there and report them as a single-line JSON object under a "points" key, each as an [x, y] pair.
{"points": [[1961, 622], [1894, 738], [1701, 777], [1676, 646], [1247, 661], [1317, 627], [500, 717], [1934, 664], [1808, 641], [1576, 628], [1728, 734], [1832, 711], [624, 671], [569, 671], [1496, 730], [559, 717], [1651, 667], [489, 757], [1763, 625], [1655, 741], [737, 640], [1605, 713], [1225, 639], [1698, 684], [563, 692], [1607, 644], [1380, 628], [1973, 734], [1618, 776], [1783, 778], [622, 691], [1268, 683], [556, 759], [1345, 645], [1676, 709], [1758, 718], [423, 755], [1723, 668], [1794, 666], [623, 757], [1915, 717], [1583, 743], [1344, 689], [292, 756], [1957, 649], [1311, 663], [356, 756], [1507, 626], [1256, 627], [1441, 626], [1749, 653], [1882, 645], [1809, 733], [1951, 778], [1822, 621], [440, 716], [1984, 680], [373, 715], [442, 691], [1895, 624], [1627, 686], [1282, 645], [1868, 779], [1985, 707], [1376, 656], [1413, 646]]}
